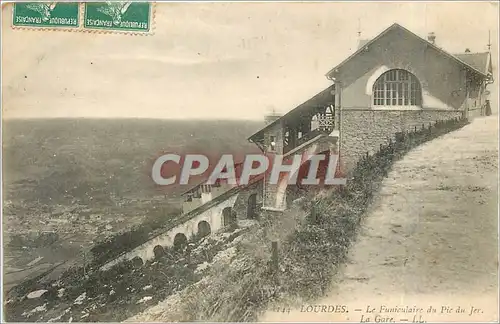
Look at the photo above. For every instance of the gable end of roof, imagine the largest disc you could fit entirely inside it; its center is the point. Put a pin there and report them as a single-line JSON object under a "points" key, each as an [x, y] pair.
{"points": [[398, 26]]}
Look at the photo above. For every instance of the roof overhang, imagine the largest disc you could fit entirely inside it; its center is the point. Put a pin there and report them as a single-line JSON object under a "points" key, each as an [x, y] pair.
{"points": [[321, 99]]}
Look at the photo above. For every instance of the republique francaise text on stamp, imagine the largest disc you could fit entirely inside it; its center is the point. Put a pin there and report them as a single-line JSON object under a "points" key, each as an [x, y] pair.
{"points": [[122, 16]]}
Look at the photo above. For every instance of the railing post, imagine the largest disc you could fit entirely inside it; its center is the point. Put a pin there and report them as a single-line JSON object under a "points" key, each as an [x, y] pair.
{"points": [[313, 214], [275, 261]]}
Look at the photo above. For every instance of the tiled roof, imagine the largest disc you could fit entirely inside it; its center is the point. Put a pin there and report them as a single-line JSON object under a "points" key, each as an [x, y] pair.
{"points": [[479, 61]]}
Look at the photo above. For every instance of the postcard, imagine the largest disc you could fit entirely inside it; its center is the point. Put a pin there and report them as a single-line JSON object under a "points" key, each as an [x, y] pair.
{"points": [[250, 161]]}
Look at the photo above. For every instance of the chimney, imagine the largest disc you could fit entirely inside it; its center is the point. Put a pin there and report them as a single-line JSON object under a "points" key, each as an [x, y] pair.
{"points": [[268, 119], [431, 38], [271, 116]]}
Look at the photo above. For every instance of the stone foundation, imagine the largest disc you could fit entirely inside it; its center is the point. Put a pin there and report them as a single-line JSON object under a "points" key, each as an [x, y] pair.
{"points": [[364, 130]]}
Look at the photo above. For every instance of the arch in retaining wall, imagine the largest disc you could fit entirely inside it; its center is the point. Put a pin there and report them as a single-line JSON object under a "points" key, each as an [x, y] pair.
{"points": [[180, 241], [158, 251], [241, 205], [252, 206], [137, 262], [203, 229]]}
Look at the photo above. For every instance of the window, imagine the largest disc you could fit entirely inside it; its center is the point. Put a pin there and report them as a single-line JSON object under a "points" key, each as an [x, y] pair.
{"points": [[206, 188], [397, 88], [315, 122], [286, 137]]}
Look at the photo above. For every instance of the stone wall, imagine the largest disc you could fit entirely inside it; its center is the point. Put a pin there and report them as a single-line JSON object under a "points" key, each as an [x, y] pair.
{"points": [[240, 206], [364, 130]]}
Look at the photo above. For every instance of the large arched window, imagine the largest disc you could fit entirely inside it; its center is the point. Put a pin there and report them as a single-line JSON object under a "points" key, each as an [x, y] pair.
{"points": [[397, 88]]}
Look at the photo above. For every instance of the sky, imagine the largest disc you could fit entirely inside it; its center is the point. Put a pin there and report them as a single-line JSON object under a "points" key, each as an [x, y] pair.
{"points": [[215, 60]]}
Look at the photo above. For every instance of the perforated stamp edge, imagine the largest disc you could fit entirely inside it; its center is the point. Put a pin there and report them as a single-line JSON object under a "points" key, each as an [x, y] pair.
{"points": [[152, 24], [41, 28], [81, 28]]}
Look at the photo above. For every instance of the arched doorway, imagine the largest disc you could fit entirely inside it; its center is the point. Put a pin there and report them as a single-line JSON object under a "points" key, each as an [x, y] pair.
{"points": [[158, 251], [180, 242], [252, 206], [203, 229], [227, 216]]}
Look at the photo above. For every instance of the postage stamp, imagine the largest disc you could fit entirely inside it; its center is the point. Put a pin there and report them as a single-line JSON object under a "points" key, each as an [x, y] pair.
{"points": [[118, 16], [46, 14]]}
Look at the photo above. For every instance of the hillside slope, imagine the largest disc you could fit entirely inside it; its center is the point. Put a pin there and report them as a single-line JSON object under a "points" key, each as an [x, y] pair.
{"points": [[430, 237], [81, 180]]}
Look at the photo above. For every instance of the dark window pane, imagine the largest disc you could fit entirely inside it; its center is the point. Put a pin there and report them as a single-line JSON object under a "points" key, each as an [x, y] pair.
{"points": [[405, 75]]}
